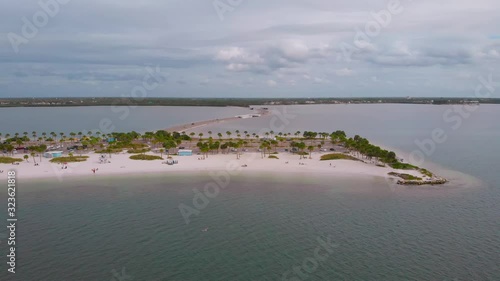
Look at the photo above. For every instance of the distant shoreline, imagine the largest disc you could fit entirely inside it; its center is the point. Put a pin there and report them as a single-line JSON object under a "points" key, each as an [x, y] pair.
{"points": [[235, 102]]}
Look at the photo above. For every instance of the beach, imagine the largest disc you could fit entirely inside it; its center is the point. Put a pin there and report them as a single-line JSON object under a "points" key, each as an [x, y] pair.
{"points": [[121, 164]]}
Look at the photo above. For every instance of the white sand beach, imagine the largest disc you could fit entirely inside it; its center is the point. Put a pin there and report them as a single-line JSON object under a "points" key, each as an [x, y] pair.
{"points": [[121, 164]]}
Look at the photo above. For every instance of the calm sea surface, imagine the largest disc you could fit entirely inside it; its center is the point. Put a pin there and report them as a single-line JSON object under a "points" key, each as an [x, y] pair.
{"points": [[262, 226], [105, 118]]}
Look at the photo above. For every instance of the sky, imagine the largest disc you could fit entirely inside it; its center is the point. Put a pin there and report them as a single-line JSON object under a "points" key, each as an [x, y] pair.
{"points": [[248, 48]]}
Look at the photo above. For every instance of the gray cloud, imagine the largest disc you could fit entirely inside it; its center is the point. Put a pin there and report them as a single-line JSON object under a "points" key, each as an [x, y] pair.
{"points": [[266, 47]]}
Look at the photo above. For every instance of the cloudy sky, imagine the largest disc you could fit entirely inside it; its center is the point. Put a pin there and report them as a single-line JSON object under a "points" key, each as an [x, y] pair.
{"points": [[249, 48]]}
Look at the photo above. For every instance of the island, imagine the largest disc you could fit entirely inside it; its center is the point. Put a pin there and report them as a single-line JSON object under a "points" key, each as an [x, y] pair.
{"points": [[52, 155]]}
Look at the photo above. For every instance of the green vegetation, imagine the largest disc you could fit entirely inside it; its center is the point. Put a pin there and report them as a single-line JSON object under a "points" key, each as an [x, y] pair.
{"points": [[69, 159], [337, 156], [405, 176], [9, 160], [426, 172], [403, 166], [244, 102], [166, 143], [145, 157]]}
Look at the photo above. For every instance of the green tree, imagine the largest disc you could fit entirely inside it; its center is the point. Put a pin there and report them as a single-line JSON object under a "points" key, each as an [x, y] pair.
{"points": [[168, 145], [310, 148]]}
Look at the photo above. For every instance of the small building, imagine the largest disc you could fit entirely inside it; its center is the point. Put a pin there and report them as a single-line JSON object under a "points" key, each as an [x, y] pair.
{"points": [[52, 154], [185, 152]]}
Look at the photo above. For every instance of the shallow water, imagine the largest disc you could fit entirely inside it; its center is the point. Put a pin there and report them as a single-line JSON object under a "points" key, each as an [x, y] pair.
{"points": [[262, 226], [259, 227]]}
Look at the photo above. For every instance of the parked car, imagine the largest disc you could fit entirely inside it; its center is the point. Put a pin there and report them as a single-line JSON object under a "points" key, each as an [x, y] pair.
{"points": [[332, 149]]}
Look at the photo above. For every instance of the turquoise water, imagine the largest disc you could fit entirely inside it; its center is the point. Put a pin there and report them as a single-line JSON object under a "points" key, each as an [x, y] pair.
{"points": [[262, 226]]}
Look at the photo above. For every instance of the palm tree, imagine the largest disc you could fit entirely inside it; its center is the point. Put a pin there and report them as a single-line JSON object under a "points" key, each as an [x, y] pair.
{"points": [[26, 157], [310, 148], [237, 146], [33, 155], [162, 150], [200, 135], [219, 135], [210, 133], [228, 133], [41, 149], [301, 146]]}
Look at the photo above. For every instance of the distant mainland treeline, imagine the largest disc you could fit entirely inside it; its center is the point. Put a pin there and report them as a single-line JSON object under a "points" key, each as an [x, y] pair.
{"points": [[240, 102]]}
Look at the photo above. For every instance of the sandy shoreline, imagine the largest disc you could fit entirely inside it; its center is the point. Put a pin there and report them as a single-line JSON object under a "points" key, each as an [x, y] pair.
{"points": [[121, 165], [200, 124]]}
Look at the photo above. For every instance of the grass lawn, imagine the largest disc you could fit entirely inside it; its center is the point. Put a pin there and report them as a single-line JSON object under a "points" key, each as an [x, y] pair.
{"points": [[337, 156], [9, 160], [69, 159], [145, 157]]}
